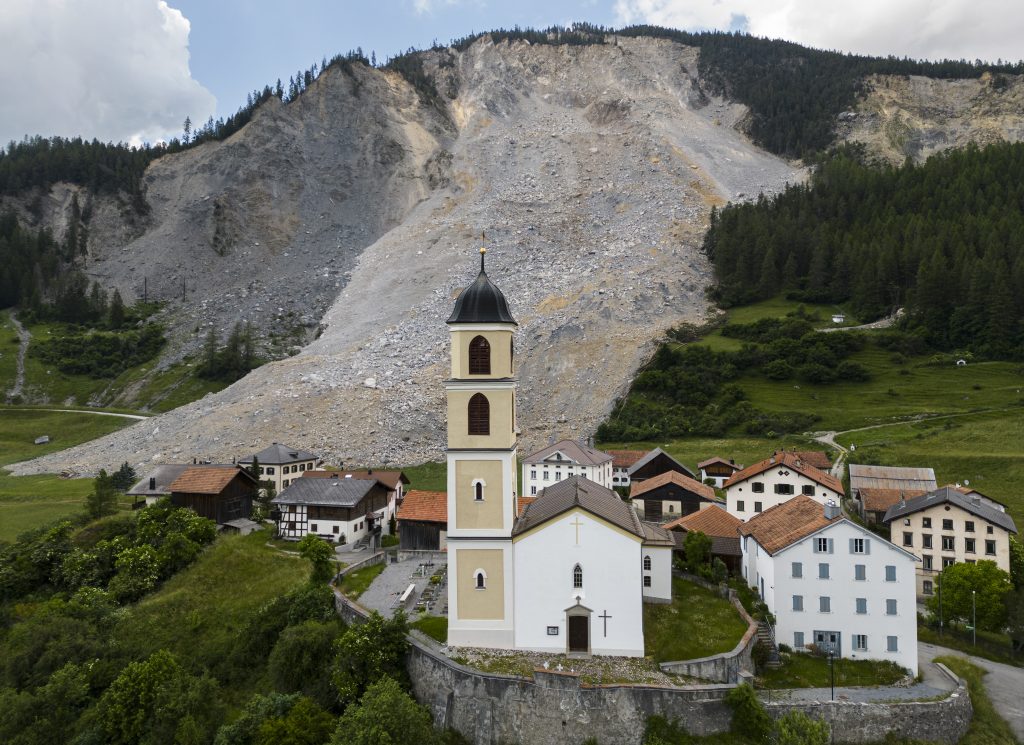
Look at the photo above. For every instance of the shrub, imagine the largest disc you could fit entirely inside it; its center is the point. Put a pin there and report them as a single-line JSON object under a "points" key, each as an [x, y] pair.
{"points": [[749, 718], [759, 654], [796, 728], [852, 371], [387, 541], [299, 661], [778, 370], [661, 731]]}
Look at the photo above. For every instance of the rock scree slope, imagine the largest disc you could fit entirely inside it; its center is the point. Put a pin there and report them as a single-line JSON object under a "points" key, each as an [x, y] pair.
{"points": [[359, 207]]}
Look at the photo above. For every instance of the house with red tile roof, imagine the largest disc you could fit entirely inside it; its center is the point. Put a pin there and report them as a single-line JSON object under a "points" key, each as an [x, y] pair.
{"points": [[423, 521], [721, 527], [775, 480], [220, 493]]}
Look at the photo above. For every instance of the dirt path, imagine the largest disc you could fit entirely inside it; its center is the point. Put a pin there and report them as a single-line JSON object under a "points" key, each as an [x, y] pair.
{"points": [[24, 338], [882, 323], [136, 417]]}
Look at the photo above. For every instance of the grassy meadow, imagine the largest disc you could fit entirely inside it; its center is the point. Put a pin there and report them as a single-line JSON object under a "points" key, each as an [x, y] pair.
{"points": [[697, 623]]}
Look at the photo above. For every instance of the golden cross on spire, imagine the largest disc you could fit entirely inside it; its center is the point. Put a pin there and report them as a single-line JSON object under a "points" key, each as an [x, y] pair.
{"points": [[483, 250]]}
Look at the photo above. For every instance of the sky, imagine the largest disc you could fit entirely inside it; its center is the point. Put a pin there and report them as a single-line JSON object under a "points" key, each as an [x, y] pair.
{"points": [[132, 70]]}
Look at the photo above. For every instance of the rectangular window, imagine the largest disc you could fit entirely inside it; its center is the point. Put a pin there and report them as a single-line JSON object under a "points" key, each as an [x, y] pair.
{"points": [[784, 489], [926, 540], [890, 573], [947, 524], [270, 471], [824, 604], [547, 476], [860, 642], [647, 581], [969, 545], [990, 548], [335, 530], [948, 543], [862, 605], [798, 602], [823, 571], [890, 607], [757, 487], [757, 506], [312, 527], [857, 546], [927, 561], [798, 569], [798, 640], [926, 522], [822, 546], [891, 644], [860, 572], [969, 526], [291, 526], [740, 507], [926, 587], [533, 491], [948, 562], [533, 474], [908, 539], [989, 530], [807, 490]]}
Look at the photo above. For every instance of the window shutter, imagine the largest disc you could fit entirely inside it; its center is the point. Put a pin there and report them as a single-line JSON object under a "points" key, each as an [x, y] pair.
{"points": [[853, 546], [831, 546], [867, 545]]}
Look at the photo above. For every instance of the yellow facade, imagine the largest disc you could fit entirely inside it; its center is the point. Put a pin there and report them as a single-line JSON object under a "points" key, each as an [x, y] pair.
{"points": [[501, 353], [472, 514], [502, 434], [487, 604]]}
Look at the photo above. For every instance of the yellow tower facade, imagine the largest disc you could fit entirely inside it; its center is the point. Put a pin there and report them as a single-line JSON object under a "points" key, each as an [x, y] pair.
{"points": [[482, 467]]}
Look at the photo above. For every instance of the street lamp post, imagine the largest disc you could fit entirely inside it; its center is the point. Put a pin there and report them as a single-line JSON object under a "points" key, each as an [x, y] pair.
{"points": [[832, 671], [940, 602], [974, 620]]}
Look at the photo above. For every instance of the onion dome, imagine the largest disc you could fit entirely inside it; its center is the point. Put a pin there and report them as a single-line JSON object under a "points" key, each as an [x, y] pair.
{"points": [[481, 302]]}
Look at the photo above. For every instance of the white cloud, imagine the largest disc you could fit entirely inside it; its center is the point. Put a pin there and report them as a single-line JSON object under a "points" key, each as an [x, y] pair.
{"points": [[115, 70], [930, 29]]}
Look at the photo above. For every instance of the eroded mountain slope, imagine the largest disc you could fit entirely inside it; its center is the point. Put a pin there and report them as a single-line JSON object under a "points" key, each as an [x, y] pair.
{"points": [[592, 170]]}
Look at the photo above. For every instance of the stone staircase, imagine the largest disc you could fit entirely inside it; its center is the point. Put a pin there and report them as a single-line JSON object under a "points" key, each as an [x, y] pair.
{"points": [[766, 636]]}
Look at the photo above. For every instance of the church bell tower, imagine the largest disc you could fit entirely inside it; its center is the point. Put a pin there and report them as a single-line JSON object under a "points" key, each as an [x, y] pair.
{"points": [[482, 465]]}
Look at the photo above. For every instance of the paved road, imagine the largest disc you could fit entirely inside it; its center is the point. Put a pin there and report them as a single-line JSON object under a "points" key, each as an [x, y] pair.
{"points": [[1004, 683]]}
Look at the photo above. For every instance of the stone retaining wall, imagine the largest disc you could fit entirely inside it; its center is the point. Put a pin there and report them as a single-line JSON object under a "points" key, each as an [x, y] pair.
{"points": [[724, 667], [556, 708]]}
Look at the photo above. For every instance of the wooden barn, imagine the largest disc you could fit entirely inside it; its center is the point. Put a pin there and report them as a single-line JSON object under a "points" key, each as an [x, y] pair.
{"points": [[423, 521], [220, 493], [655, 463], [669, 495]]}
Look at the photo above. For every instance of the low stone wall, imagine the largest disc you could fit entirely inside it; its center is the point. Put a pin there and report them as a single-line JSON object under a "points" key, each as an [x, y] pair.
{"points": [[438, 557], [555, 708]]}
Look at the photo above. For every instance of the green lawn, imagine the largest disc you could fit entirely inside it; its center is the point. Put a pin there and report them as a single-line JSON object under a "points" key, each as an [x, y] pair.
{"points": [[435, 627], [19, 427], [355, 583], [698, 623], [427, 476], [987, 727], [800, 670], [199, 612], [991, 645]]}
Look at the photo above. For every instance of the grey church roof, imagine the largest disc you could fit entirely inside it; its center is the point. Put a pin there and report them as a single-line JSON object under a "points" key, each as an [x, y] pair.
{"points": [[574, 451], [481, 302], [334, 492], [278, 454], [577, 491], [952, 495]]}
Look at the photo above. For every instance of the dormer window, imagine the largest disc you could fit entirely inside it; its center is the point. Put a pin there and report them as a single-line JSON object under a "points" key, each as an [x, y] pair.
{"points": [[479, 356], [479, 415]]}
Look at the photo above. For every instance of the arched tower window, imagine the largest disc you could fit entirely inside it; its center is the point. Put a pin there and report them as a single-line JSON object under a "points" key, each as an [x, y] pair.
{"points": [[577, 577], [478, 490], [647, 563], [479, 415], [479, 356], [481, 579]]}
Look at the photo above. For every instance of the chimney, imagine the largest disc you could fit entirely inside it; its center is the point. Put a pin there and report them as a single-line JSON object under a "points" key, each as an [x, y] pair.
{"points": [[732, 461], [369, 472], [832, 510], [152, 483], [195, 461], [902, 499]]}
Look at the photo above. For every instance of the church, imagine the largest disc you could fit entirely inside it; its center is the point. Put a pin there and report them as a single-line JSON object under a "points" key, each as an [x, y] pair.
{"points": [[565, 573]]}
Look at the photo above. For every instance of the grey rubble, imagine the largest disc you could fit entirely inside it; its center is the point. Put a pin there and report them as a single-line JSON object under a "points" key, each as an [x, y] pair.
{"points": [[591, 169]]}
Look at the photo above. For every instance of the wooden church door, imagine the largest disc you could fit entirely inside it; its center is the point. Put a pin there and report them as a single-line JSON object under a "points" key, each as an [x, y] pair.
{"points": [[579, 633]]}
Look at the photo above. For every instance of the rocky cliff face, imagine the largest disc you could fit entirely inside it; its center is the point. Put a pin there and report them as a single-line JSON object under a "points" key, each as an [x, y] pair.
{"points": [[591, 169], [901, 117]]}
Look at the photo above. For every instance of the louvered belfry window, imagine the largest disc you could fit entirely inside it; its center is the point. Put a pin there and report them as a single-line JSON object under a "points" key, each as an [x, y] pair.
{"points": [[479, 415], [479, 356]]}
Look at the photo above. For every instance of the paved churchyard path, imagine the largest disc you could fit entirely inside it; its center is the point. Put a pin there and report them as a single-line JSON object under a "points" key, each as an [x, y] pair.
{"points": [[392, 582], [1004, 684]]}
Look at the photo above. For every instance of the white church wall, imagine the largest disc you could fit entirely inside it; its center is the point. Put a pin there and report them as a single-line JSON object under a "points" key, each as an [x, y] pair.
{"points": [[660, 572], [612, 585]]}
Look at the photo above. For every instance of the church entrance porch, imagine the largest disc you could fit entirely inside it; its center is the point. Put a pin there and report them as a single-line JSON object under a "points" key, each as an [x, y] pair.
{"points": [[578, 625]]}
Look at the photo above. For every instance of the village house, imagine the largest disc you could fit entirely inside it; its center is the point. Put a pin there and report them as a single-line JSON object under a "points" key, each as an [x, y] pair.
{"points": [[946, 526], [874, 489], [719, 470], [622, 461], [655, 463], [423, 521], [156, 484], [832, 583], [561, 460], [395, 481], [815, 458], [220, 493], [718, 525], [343, 510], [775, 480], [281, 464], [669, 495]]}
